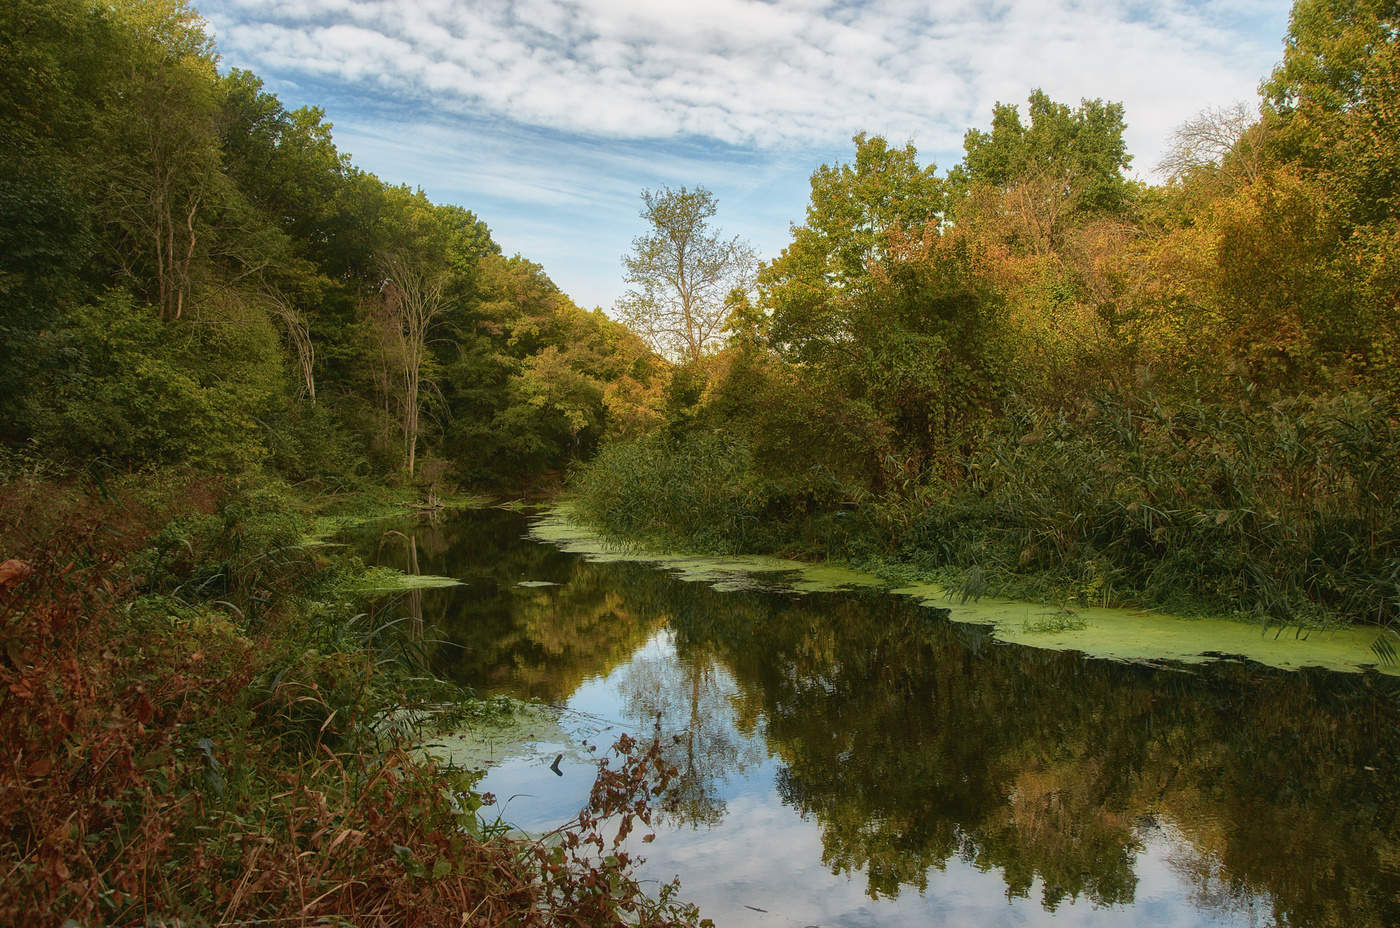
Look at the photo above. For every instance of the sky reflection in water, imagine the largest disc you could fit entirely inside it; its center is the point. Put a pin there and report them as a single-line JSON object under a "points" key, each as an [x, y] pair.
{"points": [[853, 759]]}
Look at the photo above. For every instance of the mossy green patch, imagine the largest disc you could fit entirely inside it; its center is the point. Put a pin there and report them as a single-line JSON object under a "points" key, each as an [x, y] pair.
{"points": [[1129, 635], [723, 572], [1115, 634], [389, 580]]}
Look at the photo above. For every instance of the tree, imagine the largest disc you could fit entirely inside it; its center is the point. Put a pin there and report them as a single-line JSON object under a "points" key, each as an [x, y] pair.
{"points": [[885, 308], [853, 212], [680, 273], [1224, 143], [163, 179], [412, 302], [1064, 165]]}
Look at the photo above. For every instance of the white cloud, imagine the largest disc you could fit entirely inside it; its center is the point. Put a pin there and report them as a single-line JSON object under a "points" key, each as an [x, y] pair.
{"points": [[548, 116], [764, 74]]}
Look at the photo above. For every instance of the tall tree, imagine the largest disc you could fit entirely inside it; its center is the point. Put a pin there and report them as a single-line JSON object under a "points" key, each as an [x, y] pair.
{"points": [[164, 181], [412, 302], [1336, 97], [680, 272], [854, 210], [1066, 164]]}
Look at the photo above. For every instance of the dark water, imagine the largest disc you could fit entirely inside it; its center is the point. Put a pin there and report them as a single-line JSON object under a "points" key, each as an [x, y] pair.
{"points": [[855, 759]]}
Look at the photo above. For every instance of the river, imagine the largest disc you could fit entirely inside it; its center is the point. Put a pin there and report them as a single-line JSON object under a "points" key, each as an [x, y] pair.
{"points": [[854, 758]]}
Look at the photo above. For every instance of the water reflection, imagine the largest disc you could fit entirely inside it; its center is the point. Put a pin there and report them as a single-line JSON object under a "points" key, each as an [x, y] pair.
{"points": [[913, 750], [687, 700]]}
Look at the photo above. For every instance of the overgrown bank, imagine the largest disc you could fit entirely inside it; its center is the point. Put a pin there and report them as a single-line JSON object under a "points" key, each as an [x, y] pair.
{"points": [[203, 721], [1286, 514]]}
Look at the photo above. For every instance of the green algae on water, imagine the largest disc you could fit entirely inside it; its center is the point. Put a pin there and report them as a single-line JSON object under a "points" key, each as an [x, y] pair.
{"points": [[1134, 635], [727, 573], [530, 732], [1113, 634], [389, 580]]}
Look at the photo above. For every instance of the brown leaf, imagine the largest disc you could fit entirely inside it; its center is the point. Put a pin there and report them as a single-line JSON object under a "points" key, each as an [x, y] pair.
{"points": [[13, 571]]}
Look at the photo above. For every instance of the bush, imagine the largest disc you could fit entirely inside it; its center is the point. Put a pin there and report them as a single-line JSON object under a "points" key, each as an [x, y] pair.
{"points": [[699, 491], [117, 383], [1289, 512]]}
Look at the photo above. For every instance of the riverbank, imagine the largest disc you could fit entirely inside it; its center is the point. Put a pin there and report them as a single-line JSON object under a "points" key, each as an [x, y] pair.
{"points": [[200, 714], [1097, 631]]}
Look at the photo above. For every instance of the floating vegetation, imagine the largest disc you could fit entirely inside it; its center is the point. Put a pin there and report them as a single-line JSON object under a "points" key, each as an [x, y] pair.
{"points": [[723, 572], [1114, 634], [528, 730], [1063, 621], [389, 580]]}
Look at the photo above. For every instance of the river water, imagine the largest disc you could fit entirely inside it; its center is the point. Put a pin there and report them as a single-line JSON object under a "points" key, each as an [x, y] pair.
{"points": [[853, 758]]}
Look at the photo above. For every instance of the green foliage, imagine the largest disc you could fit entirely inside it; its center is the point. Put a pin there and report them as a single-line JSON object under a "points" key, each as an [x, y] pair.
{"points": [[698, 492], [854, 210], [532, 381], [1285, 513], [122, 385], [241, 264], [881, 309], [1081, 152]]}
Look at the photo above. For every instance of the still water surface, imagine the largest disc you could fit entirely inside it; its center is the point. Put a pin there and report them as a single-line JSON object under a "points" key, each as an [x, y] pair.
{"points": [[853, 758]]}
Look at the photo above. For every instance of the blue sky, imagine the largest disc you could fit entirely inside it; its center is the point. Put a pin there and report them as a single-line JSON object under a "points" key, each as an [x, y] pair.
{"points": [[548, 117]]}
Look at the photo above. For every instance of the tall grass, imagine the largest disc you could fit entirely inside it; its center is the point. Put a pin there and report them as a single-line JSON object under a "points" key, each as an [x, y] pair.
{"points": [[698, 491], [1288, 512]]}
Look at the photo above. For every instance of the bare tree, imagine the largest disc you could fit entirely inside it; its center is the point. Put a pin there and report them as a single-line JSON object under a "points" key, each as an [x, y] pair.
{"points": [[1226, 142], [680, 273], [412, 301]]}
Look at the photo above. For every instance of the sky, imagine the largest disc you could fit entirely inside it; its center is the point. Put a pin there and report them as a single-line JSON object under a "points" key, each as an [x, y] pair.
{"points": [[547, 118]]}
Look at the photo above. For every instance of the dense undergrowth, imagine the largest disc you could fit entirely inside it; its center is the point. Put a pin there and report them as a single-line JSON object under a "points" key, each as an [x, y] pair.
{"points": [[201, 724], [1284, 513]]}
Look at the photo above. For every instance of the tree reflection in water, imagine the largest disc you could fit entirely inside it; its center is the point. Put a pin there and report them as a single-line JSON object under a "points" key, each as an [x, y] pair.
{"points": [[687, 703], [913, 742]]}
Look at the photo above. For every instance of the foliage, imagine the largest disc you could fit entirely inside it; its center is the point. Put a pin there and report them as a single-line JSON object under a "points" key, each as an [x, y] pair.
{"points": [[1079, 389], [699, 489], [680, 273], [138, 662], [268, 303], [122, 385], [1066, 161]]}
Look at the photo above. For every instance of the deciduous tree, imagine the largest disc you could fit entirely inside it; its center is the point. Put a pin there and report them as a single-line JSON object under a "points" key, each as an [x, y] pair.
{"points": [[680, 272]]}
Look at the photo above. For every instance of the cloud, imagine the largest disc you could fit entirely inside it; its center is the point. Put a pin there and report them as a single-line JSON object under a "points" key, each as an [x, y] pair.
{"points": [[763, 74], [547, 117]]}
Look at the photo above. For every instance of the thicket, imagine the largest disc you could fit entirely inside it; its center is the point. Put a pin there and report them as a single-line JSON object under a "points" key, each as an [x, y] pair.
{"points": [[1033, 375], [202, 723]]}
